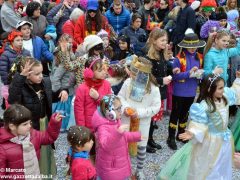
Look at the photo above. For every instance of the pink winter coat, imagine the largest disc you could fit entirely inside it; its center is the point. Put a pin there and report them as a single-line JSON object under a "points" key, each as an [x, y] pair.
{"points": [[112, 156], [82, 169], [11, 154], [84, 105]]}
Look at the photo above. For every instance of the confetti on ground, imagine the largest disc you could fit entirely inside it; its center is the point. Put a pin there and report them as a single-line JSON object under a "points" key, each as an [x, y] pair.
{"points": [[153, 162]]}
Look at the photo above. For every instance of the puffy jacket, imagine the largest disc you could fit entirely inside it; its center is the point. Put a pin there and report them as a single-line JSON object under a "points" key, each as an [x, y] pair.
{"points": [[220, 58], [6, 60], [119, 21], [112, 156], [68, 28], [206, 28], [80, 30], [40, 50], [11, 154], [53, 12], [82, 169], [84, 105], [137, 37], [22, 93]]}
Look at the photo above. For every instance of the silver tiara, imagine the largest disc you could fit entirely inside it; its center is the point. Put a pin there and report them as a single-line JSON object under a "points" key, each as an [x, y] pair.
{"points": [[212, 80]]}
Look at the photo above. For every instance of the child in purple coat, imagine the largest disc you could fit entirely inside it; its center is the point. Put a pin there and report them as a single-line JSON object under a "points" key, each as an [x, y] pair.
{"points": [[185, 84]]}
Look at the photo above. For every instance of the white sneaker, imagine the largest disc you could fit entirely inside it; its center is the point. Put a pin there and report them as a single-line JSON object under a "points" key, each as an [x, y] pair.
{"points": [[140, 175]]}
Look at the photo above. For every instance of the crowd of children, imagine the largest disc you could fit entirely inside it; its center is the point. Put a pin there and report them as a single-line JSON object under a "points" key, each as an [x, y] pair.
{"points": [[105, 73]]}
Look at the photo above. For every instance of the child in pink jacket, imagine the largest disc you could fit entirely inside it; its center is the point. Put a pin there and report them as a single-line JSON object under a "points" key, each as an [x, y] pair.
{"points": [[112, 157], [89, 93]]}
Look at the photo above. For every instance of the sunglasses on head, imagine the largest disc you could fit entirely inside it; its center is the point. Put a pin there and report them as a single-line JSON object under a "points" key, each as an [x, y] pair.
{"points": [[92, 11]]}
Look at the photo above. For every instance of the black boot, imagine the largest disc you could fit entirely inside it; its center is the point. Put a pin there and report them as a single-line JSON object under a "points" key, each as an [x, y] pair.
{"points": [[150, 149], [153, 144], [172, 143]]}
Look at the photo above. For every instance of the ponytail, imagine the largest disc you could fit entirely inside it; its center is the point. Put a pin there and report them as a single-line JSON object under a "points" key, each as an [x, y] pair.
{"points": [[208, 45]]}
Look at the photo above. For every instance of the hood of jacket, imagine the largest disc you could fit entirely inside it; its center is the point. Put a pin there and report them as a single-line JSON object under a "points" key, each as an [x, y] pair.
{"points": [[5, 135], [10, 49], [98, 120]]}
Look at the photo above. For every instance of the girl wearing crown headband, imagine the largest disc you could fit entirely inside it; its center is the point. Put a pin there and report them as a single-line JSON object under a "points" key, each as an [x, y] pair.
{"points": [[209, 153], [81, 141], [112, 157], [141, 92], [185, 83], [217, 53]]}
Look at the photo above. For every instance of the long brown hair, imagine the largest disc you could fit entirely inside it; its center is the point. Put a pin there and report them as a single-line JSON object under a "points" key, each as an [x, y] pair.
{"points": [[153, 53], [98, 19], [207, 90]]}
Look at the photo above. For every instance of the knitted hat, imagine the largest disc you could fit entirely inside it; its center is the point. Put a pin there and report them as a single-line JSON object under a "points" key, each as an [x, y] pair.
{"points": [[92, 5], [91, 41], [83, 3], [195, 5], [208, 5], [191, 40], [102, 34]]}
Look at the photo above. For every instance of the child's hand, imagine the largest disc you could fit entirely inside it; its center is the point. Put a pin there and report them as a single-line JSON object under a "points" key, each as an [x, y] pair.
{"points": [[63, 45], [143, 138], [195, 68], [63, 95], [123, 128], [47, 37], [26, 70], [59, 117], [217, 70], [166, 80], [93, 94], [134, 115], [123, 61], [236, 160], [187, 135], [238, 74], [176, 70]]}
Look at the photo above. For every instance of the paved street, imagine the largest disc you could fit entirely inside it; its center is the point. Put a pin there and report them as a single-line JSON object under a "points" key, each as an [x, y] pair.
{"points": [[153, 163]]}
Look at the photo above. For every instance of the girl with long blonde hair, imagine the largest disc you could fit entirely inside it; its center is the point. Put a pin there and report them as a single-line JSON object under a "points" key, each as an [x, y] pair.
{"points": [[158, 55]]}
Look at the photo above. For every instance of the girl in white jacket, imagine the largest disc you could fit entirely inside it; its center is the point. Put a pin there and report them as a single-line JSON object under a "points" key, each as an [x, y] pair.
{"points": [[141, 92]]}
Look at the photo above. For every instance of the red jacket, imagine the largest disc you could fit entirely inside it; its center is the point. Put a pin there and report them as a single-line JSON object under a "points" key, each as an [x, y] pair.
{"points": [[68, 28], [80, 31], [84, 105], [82, 169], [11, 154]]}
